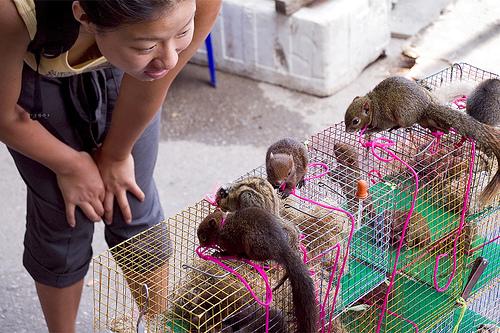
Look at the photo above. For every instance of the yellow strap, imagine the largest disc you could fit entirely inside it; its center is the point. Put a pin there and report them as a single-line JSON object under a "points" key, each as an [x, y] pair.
{"points": [[463, 303]]}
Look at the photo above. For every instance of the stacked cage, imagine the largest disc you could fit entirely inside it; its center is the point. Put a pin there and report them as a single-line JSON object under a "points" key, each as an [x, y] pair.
{"points": [[478, 311], [155, 281], [446, 254]]}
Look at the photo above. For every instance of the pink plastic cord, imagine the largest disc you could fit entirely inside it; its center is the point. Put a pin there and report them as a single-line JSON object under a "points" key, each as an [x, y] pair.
{"points": [[353, 225], [394, 314], [482, 245], [383, 144], [460, 102], [258, 268], [328, 289], [315, 164], [436, 143], [374, 173], [210, 197], [459, 231]]}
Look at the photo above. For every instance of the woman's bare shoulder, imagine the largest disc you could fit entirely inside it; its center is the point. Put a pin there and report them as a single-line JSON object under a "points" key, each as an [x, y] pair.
{"points": [[12, 28]]}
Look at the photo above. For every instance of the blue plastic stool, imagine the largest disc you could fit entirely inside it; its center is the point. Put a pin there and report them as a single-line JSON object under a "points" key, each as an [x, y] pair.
{"points": [[211, 62]]}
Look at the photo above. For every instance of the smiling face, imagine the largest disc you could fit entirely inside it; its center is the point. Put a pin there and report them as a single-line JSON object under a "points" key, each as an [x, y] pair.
{"points": [[150, 49]]}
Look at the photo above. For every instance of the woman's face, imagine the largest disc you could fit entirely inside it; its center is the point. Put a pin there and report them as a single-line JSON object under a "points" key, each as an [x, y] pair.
{"points": [[149, 50]]}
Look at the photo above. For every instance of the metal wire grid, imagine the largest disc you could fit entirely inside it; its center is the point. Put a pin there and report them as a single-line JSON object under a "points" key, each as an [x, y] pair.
{"points": [[178, 303], [486, 306], [480, 315], [463, 72], [433, 235], [443, 179], [116, 306], [456, 72], [322, 229], [483, 222], [446, 325]]}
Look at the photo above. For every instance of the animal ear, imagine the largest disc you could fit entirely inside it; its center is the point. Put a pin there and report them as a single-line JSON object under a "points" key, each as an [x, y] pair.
{"points": [[355, 98], [212, 222], [366, 107], [271, 156]]}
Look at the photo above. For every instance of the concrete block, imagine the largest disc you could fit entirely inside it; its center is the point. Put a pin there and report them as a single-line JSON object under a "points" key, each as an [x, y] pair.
{"points": [[318, 50], [408, 17]]}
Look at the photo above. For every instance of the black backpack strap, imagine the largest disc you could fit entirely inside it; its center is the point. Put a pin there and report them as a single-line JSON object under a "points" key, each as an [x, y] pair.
{"points": [[56, 28], [56, 31]]}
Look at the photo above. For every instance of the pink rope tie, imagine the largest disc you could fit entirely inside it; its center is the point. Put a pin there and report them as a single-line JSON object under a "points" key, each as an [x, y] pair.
{"points": [[269, 293], [374, 173], [210, 197], [337, 246], [460, 102], [482, 245], [394, 314], [383, 144], [459, 231], [436, 143], [315, 164]]}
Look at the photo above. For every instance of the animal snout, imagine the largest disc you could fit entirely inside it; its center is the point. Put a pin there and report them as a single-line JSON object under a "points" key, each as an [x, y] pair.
{"points": [[222, 192]]}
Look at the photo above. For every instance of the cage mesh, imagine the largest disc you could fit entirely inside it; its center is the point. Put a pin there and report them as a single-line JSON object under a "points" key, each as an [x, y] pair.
{"points": [[157, 280]]}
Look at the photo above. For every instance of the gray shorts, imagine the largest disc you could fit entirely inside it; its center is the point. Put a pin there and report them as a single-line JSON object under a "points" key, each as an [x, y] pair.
{"points": [[77, 110]]}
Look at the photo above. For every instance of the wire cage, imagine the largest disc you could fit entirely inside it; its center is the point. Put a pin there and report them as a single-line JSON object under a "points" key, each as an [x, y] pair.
{"points": [[484, 228], [439, 263], [155, 282]]}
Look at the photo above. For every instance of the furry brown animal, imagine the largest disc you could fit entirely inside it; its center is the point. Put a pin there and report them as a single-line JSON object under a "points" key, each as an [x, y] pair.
{"points": [[397, 102], [205, 301], [322, 230], [255, 192], [256, 234], [248, 192], [286, 163], [484, 102], [347, 172], [417, 234]]}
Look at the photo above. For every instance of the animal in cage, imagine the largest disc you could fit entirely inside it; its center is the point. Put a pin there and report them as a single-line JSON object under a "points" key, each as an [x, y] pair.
{"points": [[255, 192], [286, 165], [322, 230], [256, 234], [346, 171], [207, 299], [252, 319], [204, 297], [443, 176], [488, 328], [464, 242], [484, 102], [208, 296], [248, 192], [433, 166], [418, 233], [398, 102]]}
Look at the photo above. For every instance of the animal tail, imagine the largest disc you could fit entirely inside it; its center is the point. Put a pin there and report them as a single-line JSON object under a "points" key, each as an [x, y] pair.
{"points": [[486, 136], [303, 292]]}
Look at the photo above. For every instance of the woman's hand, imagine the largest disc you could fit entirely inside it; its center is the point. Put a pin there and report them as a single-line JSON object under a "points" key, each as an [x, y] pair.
{"points": [[81, 185], [118, 178]]}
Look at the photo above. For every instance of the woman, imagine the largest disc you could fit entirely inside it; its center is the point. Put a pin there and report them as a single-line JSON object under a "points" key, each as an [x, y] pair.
{"points": [[82, 136]]}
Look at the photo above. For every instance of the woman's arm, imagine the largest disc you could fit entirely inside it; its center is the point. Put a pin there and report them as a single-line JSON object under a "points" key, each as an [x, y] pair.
{"points": [[28, 137], [137, 103]]}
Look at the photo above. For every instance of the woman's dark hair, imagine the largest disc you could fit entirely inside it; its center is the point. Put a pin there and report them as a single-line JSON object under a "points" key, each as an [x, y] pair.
{"points": [[108, 14]]}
